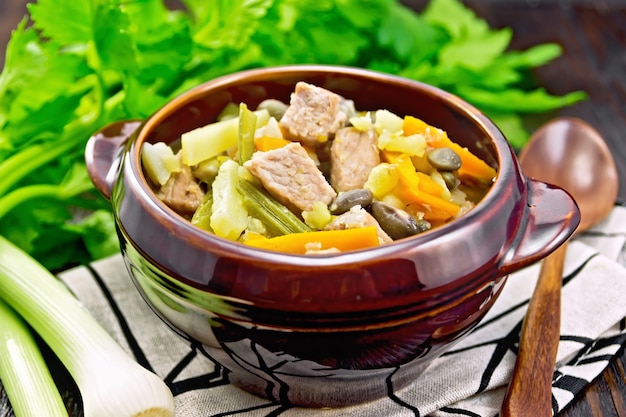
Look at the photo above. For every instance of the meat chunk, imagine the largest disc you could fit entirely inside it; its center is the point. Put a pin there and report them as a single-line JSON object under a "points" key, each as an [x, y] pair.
{"points": [[358, 217], [353, 154], [181, 192], [291, 176], [314, 115]]}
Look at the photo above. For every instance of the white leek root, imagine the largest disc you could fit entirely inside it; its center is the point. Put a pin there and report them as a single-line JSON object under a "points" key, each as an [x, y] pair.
{"points": [[23, 370], [111, 383]]}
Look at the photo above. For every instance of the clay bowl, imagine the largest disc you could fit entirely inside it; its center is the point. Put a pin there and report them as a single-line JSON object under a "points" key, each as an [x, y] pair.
{"points": [[339, 329]]}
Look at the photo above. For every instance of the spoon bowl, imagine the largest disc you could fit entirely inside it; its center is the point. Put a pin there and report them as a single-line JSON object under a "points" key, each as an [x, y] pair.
{"points": [[571, 154]]}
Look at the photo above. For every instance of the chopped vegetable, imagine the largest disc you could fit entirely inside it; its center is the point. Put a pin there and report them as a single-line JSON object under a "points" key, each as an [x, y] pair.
{"points": [[387, 121], [229, 217], [276, 217], [318, 217], [283, 191], [418, 188], [211, 140], [202, 216], [111, 384], [413, 145], [23, 370], [159, 161], [247, 127], [268, 143], [471, 165], [383, 178], [301, 243]]}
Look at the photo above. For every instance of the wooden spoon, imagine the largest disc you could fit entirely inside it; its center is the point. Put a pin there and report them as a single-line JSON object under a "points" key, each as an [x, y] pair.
{"points": [[571, 154]]}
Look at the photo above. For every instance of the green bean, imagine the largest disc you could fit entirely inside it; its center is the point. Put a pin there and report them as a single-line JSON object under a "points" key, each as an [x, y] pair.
{"points": [[275, 216]]}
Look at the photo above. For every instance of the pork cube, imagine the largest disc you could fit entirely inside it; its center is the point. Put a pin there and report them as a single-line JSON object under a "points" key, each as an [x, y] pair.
{"points": [[314, 115], [353, 154], [358, 217], [181, 192], [291, 176]]}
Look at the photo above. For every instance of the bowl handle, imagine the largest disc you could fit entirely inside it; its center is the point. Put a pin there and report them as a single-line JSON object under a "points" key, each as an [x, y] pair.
{"points": [[551, 217], [103, 153]]}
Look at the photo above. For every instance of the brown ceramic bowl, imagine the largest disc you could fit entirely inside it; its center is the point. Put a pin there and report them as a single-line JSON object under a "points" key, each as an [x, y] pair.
{"points": [[337, 329]]}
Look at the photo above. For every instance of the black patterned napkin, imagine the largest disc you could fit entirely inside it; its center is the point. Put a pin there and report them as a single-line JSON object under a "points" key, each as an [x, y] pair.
{"points": [[469, 380]]}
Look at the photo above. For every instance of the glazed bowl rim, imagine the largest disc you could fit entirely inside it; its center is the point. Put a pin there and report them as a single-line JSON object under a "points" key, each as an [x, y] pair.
{"points": [[177, 224]]}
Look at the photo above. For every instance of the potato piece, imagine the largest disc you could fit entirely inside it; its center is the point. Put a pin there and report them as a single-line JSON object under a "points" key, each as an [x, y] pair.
{"points": [[213, 139], [386, 120]]}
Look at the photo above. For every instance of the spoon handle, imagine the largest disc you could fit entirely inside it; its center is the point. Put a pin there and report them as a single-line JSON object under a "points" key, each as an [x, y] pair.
{"points": [[530, 390]]}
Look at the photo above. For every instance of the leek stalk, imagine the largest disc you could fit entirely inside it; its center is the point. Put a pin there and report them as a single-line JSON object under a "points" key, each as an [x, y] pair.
{"points": [[23, 370], [111, 383]]}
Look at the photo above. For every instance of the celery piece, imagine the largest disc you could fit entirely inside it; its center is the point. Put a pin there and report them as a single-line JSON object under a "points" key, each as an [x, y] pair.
{"points": [[276, 217], [382, 179], [213, 139], [318, 217], [202, 216], [413, 145], [229, 217], [247, 127], [23, 370]]}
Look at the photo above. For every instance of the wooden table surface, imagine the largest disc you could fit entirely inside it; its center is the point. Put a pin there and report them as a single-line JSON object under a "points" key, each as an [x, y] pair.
{"points": [[593, 36]]}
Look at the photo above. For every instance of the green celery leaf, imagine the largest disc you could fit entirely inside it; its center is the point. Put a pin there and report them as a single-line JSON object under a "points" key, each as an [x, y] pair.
{"points": [[229, 23], [75, 181], [496, 76], [410, 37], [342, 46], [511, 126], [163, 43], [140, 99], [477, 51], [443, 76], [532, 57], [24, 58], [98, 233], [36, 105], [147, 16], [64, 22], [57, 248], [364, 14], [520, 101], [457, 19], [112, 35], [26, 225], [41, 123], [163, 53]]}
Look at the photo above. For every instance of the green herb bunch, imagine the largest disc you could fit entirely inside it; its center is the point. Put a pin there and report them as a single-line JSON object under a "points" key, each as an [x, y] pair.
{"points": [[73, 66]]}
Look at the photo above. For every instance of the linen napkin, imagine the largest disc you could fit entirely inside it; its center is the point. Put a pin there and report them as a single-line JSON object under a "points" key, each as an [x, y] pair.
{"points": [[471, 379]]}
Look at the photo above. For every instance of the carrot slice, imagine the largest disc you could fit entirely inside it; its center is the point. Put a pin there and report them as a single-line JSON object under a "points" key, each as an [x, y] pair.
{"points": [[471, 165], [416, 187], [299, 243], [267, 143]]}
